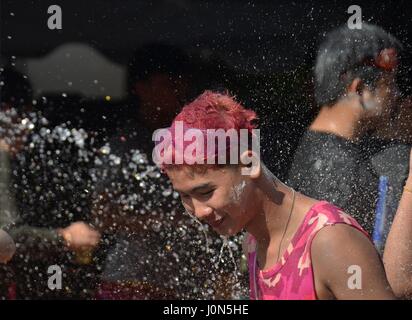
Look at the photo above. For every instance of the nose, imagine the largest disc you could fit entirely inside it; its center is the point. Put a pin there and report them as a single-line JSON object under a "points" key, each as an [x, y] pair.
{"points": [[201, 210]]}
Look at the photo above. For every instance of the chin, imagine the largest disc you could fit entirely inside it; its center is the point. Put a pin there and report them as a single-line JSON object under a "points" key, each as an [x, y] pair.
{"points": [[229, 232]]}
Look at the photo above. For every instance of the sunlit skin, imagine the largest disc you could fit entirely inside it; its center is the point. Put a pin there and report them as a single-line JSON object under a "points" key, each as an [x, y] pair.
{"points": [[262, 209], [209, 196], [398, 249]]}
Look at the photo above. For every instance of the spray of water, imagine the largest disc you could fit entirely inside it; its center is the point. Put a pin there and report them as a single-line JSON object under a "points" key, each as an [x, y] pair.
{"points": [[202, 228]]}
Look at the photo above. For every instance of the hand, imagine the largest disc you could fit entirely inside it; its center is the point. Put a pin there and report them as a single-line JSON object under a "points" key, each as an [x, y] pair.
{"points": [[7, 247], [80, 235], [4, 146]]}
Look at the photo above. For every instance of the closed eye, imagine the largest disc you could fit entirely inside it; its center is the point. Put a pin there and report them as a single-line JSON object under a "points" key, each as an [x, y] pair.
{"points": [[207, 192], [184, 195]]}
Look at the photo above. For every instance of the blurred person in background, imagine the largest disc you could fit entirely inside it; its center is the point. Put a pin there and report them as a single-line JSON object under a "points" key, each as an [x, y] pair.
{"points": [[28, 212], [356, 89]]}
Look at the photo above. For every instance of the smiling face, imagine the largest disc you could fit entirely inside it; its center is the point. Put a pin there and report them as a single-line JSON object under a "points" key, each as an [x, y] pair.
{"points": [[220, 196]]}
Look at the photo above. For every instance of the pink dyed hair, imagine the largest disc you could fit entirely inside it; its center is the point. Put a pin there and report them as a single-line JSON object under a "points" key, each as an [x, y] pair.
{"points": [[213, 110]]}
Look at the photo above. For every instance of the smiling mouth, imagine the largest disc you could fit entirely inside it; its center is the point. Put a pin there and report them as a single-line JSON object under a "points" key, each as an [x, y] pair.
{"points": [[217, 222]]}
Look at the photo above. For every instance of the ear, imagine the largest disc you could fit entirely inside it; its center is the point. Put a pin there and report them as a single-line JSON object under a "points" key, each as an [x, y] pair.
{"points": [[250, 164], [355, 86]]}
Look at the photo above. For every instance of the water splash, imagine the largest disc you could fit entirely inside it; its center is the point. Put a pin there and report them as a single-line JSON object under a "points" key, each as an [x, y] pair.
{"points": [[230, 245], [60, 161], [202, 228]]}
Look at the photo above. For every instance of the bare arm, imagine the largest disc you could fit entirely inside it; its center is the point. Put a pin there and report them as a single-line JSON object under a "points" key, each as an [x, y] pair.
{"points": [[33, 242], [398, 250], [347, 265]]}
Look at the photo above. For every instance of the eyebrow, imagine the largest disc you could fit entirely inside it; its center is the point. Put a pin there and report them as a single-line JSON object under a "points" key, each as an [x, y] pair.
{"points": [[197, 188]]}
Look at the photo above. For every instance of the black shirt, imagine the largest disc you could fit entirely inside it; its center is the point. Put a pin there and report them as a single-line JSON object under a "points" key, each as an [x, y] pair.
{"points": [[328, 167], [390, 159]]}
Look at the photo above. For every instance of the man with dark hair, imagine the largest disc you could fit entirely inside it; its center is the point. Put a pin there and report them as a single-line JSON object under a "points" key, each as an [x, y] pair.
{"points": [[355, 87], [368, 54]]}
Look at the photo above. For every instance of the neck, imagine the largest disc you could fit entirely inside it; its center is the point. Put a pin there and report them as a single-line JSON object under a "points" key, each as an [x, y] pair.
{"points": [[276, 201], [340, 119]]}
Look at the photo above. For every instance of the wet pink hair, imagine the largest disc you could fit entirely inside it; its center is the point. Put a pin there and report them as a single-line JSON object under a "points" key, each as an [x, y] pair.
{"points": [[213, 110]]}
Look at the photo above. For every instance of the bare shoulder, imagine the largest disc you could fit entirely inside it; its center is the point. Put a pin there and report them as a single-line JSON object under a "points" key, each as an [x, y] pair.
{"points": [[340, 250], [342, 245], [340, 236]]}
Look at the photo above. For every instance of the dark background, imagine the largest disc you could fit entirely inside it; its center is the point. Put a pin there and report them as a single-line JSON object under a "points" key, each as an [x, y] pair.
{"points": [[286, 32]]}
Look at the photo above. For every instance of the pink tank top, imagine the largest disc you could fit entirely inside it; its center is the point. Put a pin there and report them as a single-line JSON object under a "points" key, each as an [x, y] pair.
{"points": [[292, 277]]}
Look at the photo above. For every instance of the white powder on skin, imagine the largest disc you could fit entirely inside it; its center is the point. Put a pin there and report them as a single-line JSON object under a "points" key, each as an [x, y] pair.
{"points": [[237, 191]]}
